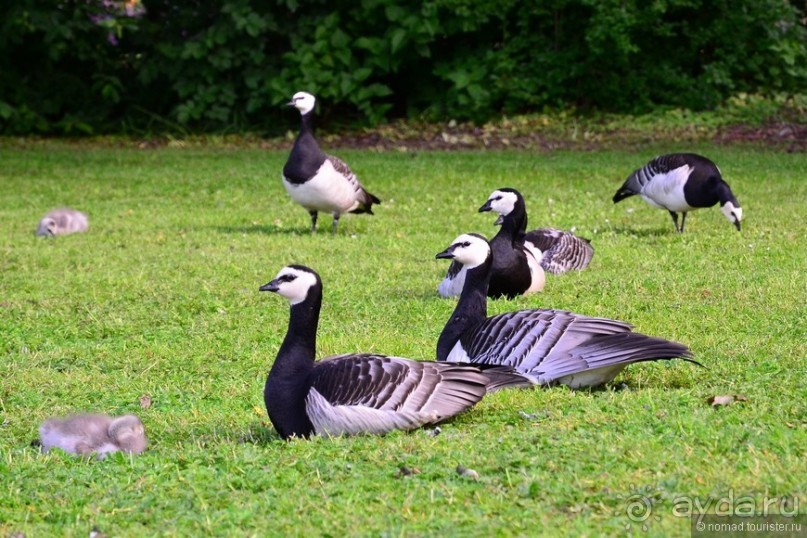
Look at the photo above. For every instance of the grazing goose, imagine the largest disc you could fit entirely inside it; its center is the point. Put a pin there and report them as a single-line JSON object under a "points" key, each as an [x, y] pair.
{"points": [[547, 346], [62, 221], [516, 264], [100, 434], [358, 393], [317, 181], [681, 182]]}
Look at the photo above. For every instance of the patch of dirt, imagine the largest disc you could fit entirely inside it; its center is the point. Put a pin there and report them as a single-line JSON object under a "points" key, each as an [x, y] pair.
{"points": [[790, 136]]}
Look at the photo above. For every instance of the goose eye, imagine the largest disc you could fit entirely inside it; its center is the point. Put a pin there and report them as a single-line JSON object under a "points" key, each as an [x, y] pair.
{"points": [[466, 244]]}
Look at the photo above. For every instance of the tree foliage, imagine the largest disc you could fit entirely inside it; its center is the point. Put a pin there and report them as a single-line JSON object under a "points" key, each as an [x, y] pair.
{"points": [[109, 65]]}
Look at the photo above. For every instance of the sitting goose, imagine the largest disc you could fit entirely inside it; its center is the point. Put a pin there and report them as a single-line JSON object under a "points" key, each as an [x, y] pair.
{"points": [[62, 221], [516, 264], [358, 393], [682, 182], [546, 346], [317, 181], [560, 251]]}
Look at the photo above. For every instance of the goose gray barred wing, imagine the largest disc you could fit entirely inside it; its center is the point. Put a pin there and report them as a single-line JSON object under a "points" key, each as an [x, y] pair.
{"points": [[393, 383], [547, 345], [341, 166], [608, 351], [364, 197], [640, 177], [562, 251], [526, 338]]}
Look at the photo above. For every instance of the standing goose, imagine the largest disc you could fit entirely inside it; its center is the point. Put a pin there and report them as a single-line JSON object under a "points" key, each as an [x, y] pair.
{"points": [[516, 264], [358, 393], [547, 346], [681, 182], [317, 181]]}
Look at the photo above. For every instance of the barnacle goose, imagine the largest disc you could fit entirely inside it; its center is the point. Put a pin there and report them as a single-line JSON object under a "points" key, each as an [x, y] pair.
{"points": [[560, 251], [547, 346], [317, 181], [516, 264], [681, 182], [359, 393], [62, 221]]}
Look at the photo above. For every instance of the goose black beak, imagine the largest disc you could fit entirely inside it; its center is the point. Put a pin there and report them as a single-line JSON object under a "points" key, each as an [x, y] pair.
{"points": [[290, 103], [271, 286], [447, 254], [485, 207], [737, 225]]}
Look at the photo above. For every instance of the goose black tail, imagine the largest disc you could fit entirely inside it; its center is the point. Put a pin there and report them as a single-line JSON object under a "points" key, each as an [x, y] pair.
{"points": [[623, 193]]}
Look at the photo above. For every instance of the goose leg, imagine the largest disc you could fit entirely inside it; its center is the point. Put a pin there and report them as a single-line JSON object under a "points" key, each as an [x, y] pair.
{"points": [[675, 220], [335, 222], [683, 220], [313, 221]]}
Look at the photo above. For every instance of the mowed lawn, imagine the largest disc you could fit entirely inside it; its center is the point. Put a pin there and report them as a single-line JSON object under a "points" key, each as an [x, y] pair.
{"points": [[161, 298]]}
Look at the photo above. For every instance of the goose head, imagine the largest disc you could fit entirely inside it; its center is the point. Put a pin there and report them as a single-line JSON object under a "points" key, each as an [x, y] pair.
{"points": [[302, 101], [128, 433], [502, 201], [46, 228], [470, 250], [293, 282], [733, 212]]}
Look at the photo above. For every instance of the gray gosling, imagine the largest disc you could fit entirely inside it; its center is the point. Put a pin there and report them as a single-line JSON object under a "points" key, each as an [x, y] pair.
{"points": [[99, 434], [62, 221]]}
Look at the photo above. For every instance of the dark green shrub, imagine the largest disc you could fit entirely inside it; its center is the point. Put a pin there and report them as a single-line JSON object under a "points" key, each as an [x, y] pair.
{"points": [[107, 65]]}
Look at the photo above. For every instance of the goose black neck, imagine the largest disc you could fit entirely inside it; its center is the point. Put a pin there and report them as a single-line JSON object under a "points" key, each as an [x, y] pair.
{"points": [[724, 194], [515, 223], [471, 310], [307, 123], [298, 351]]}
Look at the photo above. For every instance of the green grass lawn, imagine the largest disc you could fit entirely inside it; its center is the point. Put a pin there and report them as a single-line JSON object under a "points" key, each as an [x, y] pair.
{"points": [[160, 298]]}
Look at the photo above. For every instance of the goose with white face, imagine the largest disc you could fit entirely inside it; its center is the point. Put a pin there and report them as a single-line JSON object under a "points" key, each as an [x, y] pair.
{"points": [[303, 101], [471, 250], [733, 213], [293, 283], [501, 202]]}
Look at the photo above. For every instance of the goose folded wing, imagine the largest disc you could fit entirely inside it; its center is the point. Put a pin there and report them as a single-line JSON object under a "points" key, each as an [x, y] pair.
{"points": [[543, 238], [607, 351], [562, 251], [434, 391], [343, 169], [524, 339]]}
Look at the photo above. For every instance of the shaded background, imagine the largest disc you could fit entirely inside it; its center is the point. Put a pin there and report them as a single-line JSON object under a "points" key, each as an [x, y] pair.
{"points": [[140, 67]]}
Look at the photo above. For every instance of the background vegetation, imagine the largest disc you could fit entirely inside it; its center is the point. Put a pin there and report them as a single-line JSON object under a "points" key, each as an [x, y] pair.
{"points": [[157, 65], [160, 299]]}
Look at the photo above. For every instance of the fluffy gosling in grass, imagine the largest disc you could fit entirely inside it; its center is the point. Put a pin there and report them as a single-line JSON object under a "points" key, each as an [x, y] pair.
{"points": [[99, 434], [62, 221]]}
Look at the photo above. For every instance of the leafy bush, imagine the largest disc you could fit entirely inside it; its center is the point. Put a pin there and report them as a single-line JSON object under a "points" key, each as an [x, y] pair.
{"points": [[101, 65]]}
